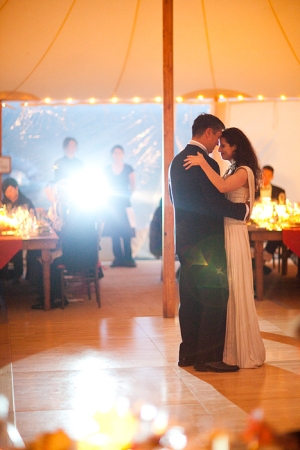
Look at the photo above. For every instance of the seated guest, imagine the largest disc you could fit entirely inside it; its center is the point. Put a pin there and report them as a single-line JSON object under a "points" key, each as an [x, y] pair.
{"points": [[13, 198], [79, 244], [277, 194], [267, 189], [155, 235]]}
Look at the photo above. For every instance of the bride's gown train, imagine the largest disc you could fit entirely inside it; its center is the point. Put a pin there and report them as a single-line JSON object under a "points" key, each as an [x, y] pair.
{"points": [[243, 342]]}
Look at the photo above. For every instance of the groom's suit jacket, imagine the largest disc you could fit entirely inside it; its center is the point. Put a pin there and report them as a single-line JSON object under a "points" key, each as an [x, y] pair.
{"points": [[199, 206]]}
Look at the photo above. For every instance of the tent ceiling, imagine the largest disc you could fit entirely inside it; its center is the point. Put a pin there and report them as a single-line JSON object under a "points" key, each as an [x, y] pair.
{"points": [[249, 52]]}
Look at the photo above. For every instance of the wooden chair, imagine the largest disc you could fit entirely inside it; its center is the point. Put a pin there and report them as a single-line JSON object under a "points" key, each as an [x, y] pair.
{"points": [[87, 277], [80, 248]]}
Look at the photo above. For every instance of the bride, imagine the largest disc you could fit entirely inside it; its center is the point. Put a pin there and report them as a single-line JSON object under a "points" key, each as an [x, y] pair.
{"points": [[243, 343]]}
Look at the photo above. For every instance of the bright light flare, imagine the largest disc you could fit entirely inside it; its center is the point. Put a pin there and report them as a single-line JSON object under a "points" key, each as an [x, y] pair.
{"points": [[90, 192]]}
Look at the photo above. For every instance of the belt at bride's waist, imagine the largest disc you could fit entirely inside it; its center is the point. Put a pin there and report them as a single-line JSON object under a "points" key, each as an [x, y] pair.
{"points": [[229, 220]]}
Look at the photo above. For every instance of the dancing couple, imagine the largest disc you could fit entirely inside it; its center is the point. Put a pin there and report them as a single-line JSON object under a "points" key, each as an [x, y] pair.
{"points": [[218, 320]]}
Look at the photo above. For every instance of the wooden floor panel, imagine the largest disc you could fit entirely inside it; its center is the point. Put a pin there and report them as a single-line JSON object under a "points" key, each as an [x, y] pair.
{"points": [[66, 362]]}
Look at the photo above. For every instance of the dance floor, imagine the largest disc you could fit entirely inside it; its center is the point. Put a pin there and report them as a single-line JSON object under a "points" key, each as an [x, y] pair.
{"points": [[64, 362]]}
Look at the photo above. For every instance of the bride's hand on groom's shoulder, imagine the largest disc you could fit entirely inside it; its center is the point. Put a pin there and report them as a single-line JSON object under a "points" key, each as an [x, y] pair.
{"points": [[193, 160]]}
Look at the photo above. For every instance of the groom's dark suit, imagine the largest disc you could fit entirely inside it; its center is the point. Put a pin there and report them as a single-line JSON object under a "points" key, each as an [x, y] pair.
{"points": [[199, 212]]}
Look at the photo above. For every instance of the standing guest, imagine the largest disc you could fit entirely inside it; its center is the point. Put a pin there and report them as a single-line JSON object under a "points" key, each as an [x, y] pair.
{"points": [[121, 180], [68, 166], [13, 198], [203, 286], [276, 194], [243, 344]]}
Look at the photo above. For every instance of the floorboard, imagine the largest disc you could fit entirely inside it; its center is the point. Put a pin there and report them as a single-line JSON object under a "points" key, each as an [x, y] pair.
{"points": [[65, 362]]}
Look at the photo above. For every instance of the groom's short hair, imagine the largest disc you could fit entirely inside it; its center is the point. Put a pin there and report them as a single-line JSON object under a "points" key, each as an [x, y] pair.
{"points": [[204, 121]]}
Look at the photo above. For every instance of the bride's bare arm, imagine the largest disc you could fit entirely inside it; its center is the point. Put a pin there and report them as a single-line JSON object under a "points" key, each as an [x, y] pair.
{"points": [[235, 181]]}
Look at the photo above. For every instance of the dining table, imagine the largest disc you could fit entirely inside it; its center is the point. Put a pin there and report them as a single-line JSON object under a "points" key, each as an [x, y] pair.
{"points": [[290, 240], [10, 244]]}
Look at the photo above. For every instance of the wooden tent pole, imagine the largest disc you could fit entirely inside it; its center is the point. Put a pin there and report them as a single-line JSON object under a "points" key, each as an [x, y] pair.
{"points": [[169, 288], [1, 146]]}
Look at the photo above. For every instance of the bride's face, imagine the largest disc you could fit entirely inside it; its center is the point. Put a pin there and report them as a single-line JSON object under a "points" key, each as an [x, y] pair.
{"points": [[226, 150]]}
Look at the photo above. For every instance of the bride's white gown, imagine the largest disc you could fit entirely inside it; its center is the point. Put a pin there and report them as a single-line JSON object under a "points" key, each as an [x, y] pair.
{"points": [[243, 342]]}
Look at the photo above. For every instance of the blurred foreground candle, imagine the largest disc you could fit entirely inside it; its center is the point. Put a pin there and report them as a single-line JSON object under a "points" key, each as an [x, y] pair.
{"points": [[4, 440], [115, 430], [220, 442]]}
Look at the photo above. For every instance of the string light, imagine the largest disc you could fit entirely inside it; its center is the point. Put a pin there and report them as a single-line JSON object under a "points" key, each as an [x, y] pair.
{"points": [[157, 99], [3, 104]]}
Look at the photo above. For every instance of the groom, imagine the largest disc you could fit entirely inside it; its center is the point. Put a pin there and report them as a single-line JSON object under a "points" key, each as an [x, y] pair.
{"points": [[203, 287]]}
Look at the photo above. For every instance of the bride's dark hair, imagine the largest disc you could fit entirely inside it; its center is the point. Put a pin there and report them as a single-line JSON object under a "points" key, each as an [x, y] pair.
{"points": [[244, 154]]}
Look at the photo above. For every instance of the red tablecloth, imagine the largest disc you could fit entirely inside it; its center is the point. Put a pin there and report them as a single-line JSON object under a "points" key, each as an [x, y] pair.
{"points": [[9, 246], [291, 238]]}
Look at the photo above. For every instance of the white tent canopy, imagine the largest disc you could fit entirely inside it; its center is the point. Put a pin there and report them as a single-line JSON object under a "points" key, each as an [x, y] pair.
{"points": [[101, 49]]}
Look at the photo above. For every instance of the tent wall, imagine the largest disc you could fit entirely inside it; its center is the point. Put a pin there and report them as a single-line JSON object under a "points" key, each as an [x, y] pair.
{"points": [[272, 127]]}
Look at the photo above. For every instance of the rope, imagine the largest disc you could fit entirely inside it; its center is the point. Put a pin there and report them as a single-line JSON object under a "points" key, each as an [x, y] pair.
{"points": [[208, 46], [283, 32], [48, 48], [128, 49], [4, 4]]}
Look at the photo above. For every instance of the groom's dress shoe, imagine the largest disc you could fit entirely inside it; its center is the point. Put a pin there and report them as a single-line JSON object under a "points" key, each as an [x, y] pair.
{"points": [[221, 366], [201, 367], [185, 362]]}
